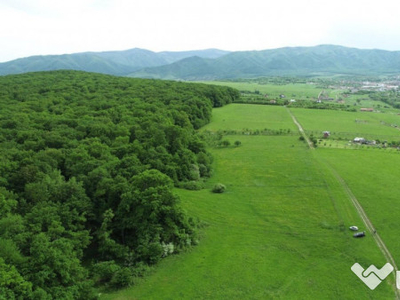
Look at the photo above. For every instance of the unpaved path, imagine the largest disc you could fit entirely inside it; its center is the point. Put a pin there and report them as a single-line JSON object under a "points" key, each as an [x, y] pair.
{"points": [[310, 144], [385, 251]]}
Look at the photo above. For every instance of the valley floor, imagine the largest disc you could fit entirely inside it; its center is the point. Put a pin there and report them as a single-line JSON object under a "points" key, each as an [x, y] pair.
{"points": [[280, 231]]}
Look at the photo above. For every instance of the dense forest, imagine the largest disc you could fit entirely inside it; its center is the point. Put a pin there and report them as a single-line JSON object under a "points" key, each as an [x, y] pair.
{"points": [[88, 164]]}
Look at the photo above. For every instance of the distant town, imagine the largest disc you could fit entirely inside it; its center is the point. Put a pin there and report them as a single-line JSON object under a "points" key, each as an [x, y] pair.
{"points": [[355, 86]]}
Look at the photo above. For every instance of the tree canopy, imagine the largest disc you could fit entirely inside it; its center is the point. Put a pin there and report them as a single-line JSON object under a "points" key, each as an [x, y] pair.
{"points": [[88, 163]]}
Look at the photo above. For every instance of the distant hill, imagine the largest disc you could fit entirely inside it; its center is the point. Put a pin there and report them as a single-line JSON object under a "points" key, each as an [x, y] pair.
{"points": [[111, 62], [292, 61], [217, 64]]}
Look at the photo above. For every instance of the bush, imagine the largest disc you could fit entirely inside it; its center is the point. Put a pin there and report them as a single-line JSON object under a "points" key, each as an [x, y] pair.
{"points": [[103, 271], [204, 172], [140, 269], [122, 278], [225, 143], [194, 173], [192, 185], [219, 188], [168, 249]]}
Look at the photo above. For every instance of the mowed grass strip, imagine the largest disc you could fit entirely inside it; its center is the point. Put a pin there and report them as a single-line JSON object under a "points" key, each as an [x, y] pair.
{"points": [[276, 233]]}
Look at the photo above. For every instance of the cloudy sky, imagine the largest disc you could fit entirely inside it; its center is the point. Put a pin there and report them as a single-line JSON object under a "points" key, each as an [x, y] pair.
{"points": [[41, 27]]}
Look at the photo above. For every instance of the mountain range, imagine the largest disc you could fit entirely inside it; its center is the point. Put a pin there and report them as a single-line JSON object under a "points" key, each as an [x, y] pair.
{"points": [[218, 64], [119, 63]]}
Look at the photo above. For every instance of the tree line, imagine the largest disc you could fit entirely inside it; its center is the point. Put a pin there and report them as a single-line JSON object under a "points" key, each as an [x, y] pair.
{"points": [[88, 164]]}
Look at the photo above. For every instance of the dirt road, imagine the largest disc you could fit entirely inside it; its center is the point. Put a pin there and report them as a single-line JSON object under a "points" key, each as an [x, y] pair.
{"points": [[310, 144], [385, 251]]}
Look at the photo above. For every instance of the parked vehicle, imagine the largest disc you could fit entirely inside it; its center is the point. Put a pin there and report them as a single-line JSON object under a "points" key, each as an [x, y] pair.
{"points": [[359, 234]]}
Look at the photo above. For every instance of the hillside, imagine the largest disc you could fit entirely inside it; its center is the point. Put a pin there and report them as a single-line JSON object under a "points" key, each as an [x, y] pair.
{"points": [[217, 64], [111, 62], [296, 61]]}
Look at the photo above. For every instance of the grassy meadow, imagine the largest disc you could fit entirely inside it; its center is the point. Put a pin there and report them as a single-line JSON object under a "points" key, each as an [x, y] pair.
{"points": [[253, 117], [343, 124], [372, 176], [305, 91], [280, 231], [291, 90]]}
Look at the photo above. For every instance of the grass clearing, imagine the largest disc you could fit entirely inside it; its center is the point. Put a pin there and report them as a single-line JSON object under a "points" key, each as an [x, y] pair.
{"points": [[280, 231], [239, 116]]}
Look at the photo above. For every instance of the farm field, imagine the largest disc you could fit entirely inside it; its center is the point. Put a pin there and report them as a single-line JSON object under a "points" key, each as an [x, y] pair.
{"points": [[305, 91], [373, 177], [294, 90], [231, 117], [343, 124], [280, 231]]}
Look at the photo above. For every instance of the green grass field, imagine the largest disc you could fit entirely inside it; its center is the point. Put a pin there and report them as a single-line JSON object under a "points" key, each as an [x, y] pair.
{"points": [[293, 90], [305, 91], [238, 117], [350, 124], [280, 231], [373, 177]]}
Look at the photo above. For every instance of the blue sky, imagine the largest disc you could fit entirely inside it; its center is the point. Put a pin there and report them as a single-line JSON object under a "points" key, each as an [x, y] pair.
{"points": [[41, 27]]}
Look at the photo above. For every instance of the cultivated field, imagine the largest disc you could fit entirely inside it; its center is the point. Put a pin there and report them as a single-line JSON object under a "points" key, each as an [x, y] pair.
{"points": [[253, 117], [343, 124], [292, 90], [280, 231], [373, 177], [305, 91]]}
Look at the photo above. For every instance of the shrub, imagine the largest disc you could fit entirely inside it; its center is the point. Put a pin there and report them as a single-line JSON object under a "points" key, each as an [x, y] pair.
{"points": [[225, 143], [204, 172], [219, 188], [192, 185], [194, 173], [238, 143], [168, 249], [104, 271], [140, 269], [122, 278]]}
